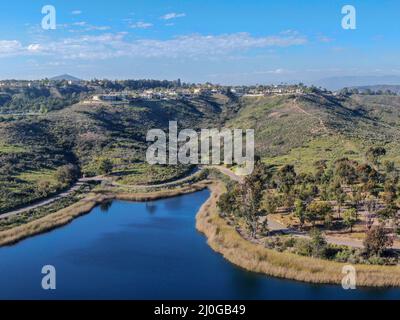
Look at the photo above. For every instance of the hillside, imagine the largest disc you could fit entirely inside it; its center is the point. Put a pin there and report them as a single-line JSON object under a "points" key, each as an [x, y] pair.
{"points": [[65, 77], [32, 148], [310, 127], [297, 129]]}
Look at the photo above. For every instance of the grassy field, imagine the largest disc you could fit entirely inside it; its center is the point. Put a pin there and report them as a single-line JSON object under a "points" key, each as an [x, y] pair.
{"points": [[328, 148], [7, 148]]}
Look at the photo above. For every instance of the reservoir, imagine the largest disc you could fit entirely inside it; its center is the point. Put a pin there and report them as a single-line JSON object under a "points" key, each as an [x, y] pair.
{"points": [[128, 250]]}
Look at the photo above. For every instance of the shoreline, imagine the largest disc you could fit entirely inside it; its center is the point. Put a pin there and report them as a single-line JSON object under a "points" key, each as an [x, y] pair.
{"points": [[221, 237], [224, 239], [86, 205]]}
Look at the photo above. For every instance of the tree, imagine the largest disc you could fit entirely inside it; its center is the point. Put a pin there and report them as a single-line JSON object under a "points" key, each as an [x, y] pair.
{"points": [[318, 243], [370, 205], [270, 204], [340, 196], [356, 198], [350, 218], [300, 212], [318, 211], [377, 240], [320, 167], [390, 189], [105, 166], [251, 193], [228, 202], [43, 188], [287, 178], [67, 174], [345, 170], [388, 213], [374, 154], [364, 172]]}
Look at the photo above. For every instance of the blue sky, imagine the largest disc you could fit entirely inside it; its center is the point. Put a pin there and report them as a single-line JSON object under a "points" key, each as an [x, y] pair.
{"points": [[229, 42]]}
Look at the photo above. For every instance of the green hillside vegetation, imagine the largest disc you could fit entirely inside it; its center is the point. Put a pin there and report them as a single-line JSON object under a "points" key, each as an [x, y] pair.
{"points": [[290, 129], [84, 136], [303, 129]]}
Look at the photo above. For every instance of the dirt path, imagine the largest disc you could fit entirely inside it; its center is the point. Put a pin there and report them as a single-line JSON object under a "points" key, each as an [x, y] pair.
{"points": [[81, 182], [321, 122], [45, 202], [160, 185], [228, 172]]}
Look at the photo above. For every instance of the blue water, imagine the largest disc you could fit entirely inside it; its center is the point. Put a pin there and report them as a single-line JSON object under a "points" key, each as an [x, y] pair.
{"points": [[144, 251]]}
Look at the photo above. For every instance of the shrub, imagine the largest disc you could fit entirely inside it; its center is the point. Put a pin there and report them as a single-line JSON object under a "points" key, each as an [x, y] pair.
{"points": [[303, 247], [377, 240], [65, 175]]}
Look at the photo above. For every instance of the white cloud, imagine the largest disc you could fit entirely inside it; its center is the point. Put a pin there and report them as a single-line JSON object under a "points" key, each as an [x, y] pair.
{"points": [[34, 47], [76, 12], [324, 39], [97, 28], [89, 27], [10, 47], [80, 23], [113, 45], [141, 25], [173, 15]]}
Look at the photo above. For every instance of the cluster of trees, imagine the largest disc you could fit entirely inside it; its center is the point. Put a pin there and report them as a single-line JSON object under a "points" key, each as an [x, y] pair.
{"points": [[245, 200], [143, 84], [347, 183], [332, 197]]}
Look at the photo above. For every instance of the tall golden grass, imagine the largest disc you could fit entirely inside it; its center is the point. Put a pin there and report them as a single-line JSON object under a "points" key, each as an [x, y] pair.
{"points": [[84, 206], [224, 239]]}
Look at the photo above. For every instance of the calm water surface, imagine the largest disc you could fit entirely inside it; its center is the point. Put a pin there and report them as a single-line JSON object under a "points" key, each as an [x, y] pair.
{"points": [[145, 251]]}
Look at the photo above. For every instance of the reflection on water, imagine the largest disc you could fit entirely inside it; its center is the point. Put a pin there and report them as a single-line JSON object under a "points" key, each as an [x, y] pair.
{"points": [[145, 251], [151, 207], [105, 206]]}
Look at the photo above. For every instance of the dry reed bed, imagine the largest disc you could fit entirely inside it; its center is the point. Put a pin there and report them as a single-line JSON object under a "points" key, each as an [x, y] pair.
{"points": [[224, 239], [84, 206]]}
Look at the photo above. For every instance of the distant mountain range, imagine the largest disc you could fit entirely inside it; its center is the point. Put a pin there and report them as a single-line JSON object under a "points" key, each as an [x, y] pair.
{"points": [[337, 83], [377, 88], [66, 77]]}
